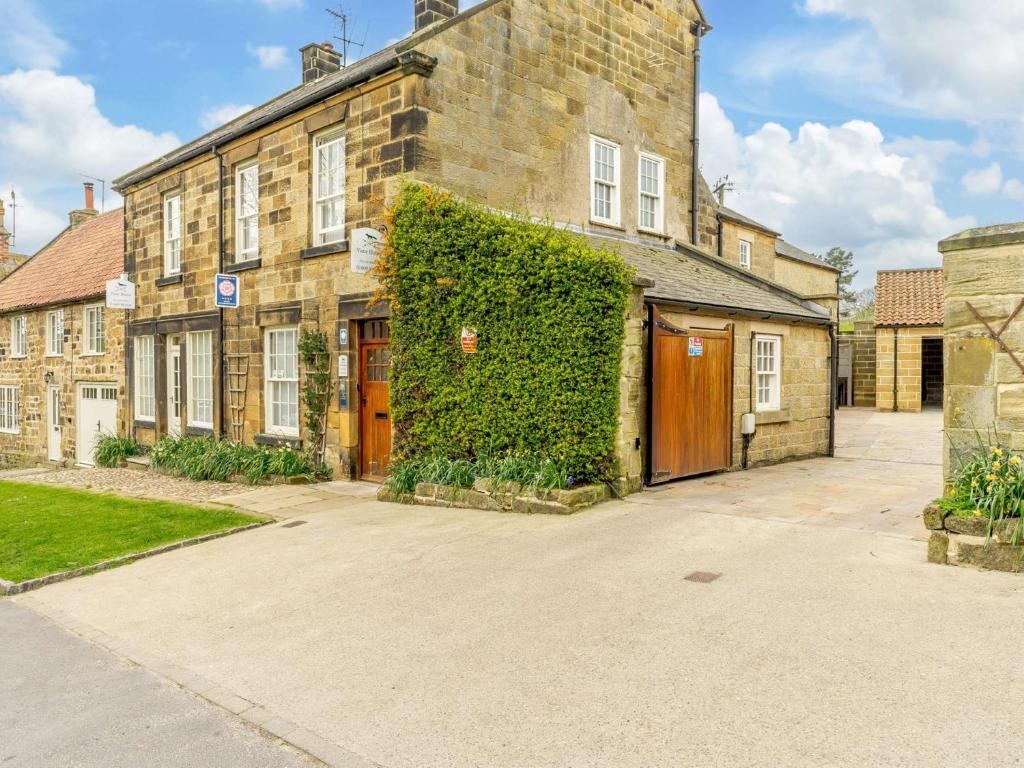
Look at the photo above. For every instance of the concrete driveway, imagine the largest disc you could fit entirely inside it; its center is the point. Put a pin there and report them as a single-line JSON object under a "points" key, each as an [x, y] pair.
{"points": [[400, 636]]}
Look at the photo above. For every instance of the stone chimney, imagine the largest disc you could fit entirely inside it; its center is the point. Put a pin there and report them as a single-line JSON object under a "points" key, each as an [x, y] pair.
{"points": [[430, 11], [82, 215], [319, 60], [5, 240]]}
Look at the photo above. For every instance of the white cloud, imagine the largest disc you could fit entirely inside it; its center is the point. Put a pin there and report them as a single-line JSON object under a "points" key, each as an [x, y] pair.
{"points": [[36, 224], [942, 57], [27, 40], [833, 185], [217, 116], [984, 181], [269, 56], [51, 131]]}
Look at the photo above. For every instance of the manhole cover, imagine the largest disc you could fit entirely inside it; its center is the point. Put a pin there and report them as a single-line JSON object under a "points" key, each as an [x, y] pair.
{"points": [[294, 524], [702, 577]]}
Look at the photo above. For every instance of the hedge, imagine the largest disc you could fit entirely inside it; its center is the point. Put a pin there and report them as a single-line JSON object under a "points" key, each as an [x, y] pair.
{"points": [[549, 311]]}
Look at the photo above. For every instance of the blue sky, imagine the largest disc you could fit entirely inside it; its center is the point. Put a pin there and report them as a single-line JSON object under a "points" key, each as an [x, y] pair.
{"points": [[877, 125]]}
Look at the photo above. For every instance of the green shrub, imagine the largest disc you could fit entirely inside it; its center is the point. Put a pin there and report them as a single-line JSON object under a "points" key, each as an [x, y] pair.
{"points": [[111, 450], [528, 471], [550, 313], [988, 481], [203, 458]]}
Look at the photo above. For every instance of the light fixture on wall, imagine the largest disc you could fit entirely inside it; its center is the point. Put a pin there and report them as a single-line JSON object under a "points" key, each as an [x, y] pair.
{"points": [[48, 378]]}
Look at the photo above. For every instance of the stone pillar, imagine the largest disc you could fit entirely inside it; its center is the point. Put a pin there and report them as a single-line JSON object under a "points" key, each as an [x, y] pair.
{"points": [[430, 11], [984, 348]]}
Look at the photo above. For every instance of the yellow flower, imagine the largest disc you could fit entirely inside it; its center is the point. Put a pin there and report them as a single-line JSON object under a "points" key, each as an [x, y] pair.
{"points": [[1015, 461], [977, 513], [974, 483], [991, 478], [997, 466], [996, 450]]}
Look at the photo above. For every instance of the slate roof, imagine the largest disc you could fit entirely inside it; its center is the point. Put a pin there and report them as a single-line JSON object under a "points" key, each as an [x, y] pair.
{"points": [[790, 251], [74, 267], [731, 215], [909, 297], [686, 277]]}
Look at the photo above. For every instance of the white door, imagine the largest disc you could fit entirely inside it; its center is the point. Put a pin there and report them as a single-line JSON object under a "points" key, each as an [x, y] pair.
{"points": [[97, 416], [173, 385], [53, 423]]}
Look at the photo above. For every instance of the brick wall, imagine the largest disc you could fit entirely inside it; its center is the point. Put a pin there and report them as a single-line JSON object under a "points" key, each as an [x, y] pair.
{"points": [[864, 364], [907, 352], [30, 445]]}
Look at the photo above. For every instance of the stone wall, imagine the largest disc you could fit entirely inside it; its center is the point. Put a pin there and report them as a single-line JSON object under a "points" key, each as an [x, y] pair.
{"points": [[631, 440], [762, 259], [811, 282], [30, 446], [984, 385], [864, 364], [905, 345]]}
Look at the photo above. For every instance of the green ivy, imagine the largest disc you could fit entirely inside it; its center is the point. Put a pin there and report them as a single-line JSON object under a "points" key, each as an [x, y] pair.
{"points": [[316, 392], [550, 314]]}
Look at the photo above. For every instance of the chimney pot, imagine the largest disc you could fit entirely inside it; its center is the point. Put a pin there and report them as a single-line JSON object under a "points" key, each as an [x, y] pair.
{"points": [[429, 12], [319, 60], [89, 200]]}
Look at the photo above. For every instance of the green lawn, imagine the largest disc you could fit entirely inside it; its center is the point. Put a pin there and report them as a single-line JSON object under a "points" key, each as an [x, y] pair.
{"points": [[46, 530]]}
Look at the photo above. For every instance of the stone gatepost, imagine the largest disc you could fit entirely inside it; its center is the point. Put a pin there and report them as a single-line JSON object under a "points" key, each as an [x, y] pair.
{"points": [[984, 335]]}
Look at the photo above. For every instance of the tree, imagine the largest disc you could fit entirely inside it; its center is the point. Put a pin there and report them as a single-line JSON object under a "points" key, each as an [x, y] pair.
{"points": [[843, 261]]}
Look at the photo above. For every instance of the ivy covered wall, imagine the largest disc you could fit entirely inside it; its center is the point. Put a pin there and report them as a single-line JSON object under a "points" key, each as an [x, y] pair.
{"points": [[549, 315]]}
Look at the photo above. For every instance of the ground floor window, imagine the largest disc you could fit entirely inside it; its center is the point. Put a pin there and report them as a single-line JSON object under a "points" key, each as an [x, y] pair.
{"points": [[200, 379], [145, 379], [9, 410], [281, 381], [768, 367]]}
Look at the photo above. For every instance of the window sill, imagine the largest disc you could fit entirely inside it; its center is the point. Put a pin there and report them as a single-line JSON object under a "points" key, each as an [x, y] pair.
{"points": [[653, 233], [145, 423], [243, 266], [92, 354], [773, 417], [278, 441], [10, 431], [54, 355], [19, 357], [607, 225], [169, 280], [198, 431], [324, 250]]}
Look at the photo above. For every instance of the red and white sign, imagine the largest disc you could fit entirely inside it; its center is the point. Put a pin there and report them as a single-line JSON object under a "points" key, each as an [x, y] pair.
{"points": [[469, 341]]}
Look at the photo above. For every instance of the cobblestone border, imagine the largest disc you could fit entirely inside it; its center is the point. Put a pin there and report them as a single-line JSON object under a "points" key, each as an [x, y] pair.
{"points": [[8, 588]]}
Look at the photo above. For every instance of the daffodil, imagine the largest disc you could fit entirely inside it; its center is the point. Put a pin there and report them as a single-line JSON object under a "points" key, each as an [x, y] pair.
{"points": [[991, 478], [997, 466], [1015, 461]]}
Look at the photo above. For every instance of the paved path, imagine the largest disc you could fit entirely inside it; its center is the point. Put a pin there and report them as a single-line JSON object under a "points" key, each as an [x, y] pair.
{"points": [[407, 637], [65, 702]]}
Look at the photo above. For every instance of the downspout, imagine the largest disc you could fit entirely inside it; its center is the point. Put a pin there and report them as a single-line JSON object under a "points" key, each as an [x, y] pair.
{"points": [[752, 384], [699, 30], [832, 387], [721, 236], [220, 270], [895, 369]]}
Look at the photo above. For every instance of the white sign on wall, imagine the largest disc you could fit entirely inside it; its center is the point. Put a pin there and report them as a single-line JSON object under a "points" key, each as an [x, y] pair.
{"points": [[366, 245], [120, 293]]}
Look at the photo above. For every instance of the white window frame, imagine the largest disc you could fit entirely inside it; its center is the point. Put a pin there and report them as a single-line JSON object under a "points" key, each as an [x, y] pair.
{"points": [[10, 409], [322, 236], [94, 336], [746, 253], [143, 362], [273, 377], [614, 186], [768, 349], [241, 217], [19, 336], [200, 377], [172, 234], [55, 333], [659, 199]]}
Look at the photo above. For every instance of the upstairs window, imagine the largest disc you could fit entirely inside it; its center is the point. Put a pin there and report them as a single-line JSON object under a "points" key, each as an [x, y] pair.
{"points": [[745, 249], [172, 234], [10, 421], [145, 379], [768, 371], [19, 336], [604, 181], [94, 324], [55, 333], [328, 189], [247, 213], [652, 193], [281, 390]]}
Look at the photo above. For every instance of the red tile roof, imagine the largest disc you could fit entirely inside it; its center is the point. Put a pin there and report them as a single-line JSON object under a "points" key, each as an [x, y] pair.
{"points": [[909, 297], [73, 267]]}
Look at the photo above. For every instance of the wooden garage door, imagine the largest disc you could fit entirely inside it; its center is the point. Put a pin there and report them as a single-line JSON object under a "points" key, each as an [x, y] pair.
{"points": [[691, 400]]}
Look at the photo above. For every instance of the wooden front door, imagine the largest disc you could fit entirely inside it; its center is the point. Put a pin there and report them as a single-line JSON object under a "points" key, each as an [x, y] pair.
{"points": [[374, 399], [691, 400]]}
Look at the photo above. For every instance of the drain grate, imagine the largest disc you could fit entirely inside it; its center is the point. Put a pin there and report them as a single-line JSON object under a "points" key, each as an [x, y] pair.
{"points": [[702, 577], [294, 524]]}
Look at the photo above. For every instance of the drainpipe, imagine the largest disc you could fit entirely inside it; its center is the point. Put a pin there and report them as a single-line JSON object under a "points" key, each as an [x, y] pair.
{"points": [[895, 369], [721, 235], [832, 387], [220, 269], [699, 30]]}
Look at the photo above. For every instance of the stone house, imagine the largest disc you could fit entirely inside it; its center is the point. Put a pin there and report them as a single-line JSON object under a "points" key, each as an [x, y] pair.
{"points": [[576, 110], [61, 349], [908, 339], [984, 334]]}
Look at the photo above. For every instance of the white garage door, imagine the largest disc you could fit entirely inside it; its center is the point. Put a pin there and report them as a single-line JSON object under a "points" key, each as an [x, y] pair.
{"points": [[96, 415]]}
